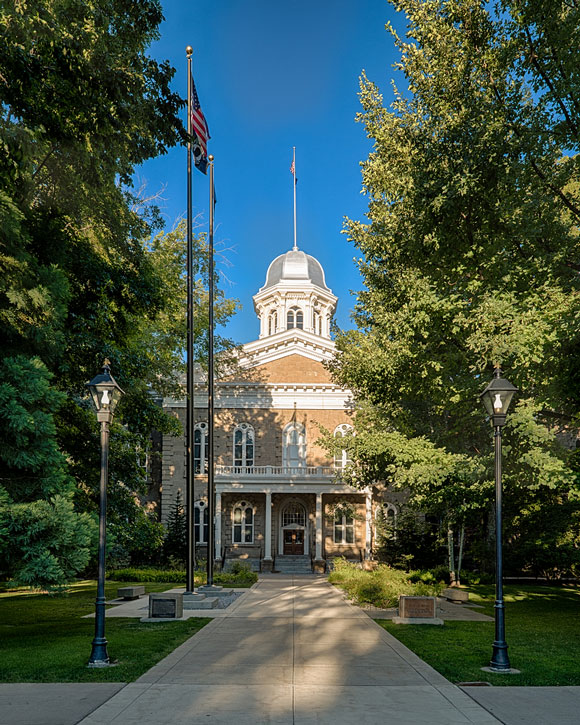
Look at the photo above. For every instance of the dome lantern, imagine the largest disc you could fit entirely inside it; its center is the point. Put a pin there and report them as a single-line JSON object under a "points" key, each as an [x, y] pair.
{"points": [[295, 296]]}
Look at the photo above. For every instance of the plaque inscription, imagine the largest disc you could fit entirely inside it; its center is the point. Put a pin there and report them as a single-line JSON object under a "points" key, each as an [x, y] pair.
{"points": [[163, 608], [417, 607]]}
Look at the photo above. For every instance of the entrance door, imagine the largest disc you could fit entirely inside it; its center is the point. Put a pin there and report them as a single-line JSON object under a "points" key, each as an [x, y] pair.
{"points": [[293, 541]]}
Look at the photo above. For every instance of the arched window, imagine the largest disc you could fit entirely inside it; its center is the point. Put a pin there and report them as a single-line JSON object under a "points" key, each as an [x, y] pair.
{"points": [[200, 448], [272, 322], [201, 522], [343, 528], [294, 445], [244, 446], [294, 514], [243, 523], [294, 318], [386, 515], [316, 323], [342, 458]]}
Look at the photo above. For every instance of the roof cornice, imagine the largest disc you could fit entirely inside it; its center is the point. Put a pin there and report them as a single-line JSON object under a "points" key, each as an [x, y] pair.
{"points": [[287, 342]]}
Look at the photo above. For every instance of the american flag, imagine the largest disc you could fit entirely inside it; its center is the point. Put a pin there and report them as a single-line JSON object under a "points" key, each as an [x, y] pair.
{"points": [[200, 130], [292, 168]]}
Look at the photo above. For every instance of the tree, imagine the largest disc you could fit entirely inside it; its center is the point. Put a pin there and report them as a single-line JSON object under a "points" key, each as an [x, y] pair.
{"points": [[43, 540], [176, 537], [83, 274], [470, 256]]}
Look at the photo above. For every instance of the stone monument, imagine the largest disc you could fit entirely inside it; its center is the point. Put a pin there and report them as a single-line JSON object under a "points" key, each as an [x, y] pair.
{"points": [[417, 610]]}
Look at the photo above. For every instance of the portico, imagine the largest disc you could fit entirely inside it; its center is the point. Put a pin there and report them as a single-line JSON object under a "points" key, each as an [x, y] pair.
{"points": [[288, 515]]}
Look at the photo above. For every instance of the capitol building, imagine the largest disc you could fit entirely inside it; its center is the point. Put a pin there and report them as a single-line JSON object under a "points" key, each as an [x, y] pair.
{"points": [[280, 502]]}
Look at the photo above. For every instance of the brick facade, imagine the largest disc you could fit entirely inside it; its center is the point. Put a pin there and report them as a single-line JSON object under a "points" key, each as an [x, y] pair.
{"points": [[291, 484]]}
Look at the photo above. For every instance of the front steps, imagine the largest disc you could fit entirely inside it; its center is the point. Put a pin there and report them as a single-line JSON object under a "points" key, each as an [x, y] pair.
{"points": [[293, 564]]}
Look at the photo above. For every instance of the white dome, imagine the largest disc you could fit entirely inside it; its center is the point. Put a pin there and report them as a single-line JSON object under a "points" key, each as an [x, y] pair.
{"points": [[295, 265]]}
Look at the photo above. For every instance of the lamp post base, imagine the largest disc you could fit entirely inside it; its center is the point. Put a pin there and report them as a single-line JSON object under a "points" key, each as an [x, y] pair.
{"points": [[99, 655], [499, 657], [509, 671], [101, 664]]}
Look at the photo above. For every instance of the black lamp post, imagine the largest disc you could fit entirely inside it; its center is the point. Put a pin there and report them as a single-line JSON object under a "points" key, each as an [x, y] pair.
{"points": [[106, 394], [497, 398]]}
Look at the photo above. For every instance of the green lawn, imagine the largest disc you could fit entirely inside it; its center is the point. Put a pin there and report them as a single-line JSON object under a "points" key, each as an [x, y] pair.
{"points": [[542, 632], [44, 638]]}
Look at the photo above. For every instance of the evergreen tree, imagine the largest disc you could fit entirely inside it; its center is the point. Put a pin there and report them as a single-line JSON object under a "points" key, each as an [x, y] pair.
{"points": [[175, 543], [43, 541], [470, 257]]}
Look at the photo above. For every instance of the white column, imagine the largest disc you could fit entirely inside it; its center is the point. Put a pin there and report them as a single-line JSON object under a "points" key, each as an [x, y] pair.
{"points": [[218, 525], [368, 521], [318, 526], [268, 527], [308, 315]]}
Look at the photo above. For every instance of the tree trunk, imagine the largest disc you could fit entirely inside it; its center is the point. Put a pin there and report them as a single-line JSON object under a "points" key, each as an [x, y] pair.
{"points": [[451, 555], [460, 556]]}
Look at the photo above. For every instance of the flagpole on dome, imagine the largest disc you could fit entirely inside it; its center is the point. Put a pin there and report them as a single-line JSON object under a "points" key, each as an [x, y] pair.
{"points": [[293, 170], [189, 416]]}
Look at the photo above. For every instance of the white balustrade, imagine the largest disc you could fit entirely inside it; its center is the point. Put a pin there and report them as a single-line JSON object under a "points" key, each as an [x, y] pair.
{"points": [[274, 471]]}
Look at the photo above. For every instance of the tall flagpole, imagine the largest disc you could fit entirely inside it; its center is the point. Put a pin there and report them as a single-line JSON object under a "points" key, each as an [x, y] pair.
{"points": [[210, 393], [294, 175], [189, 422]]}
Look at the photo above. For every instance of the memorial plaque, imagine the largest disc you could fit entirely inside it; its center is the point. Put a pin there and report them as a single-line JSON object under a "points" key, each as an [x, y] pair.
{"points": [[417, 607], [167, 605], [163, 608]]}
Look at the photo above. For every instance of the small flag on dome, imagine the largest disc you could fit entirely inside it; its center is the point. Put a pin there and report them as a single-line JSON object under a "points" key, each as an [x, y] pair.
{"points": [[293, 171]]}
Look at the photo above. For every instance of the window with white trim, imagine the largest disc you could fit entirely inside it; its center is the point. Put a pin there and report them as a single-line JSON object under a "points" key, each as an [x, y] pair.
{"points": [[316, 323], [342, 458], [243, 523], [294, 445], [200, 447], [272, 323], [201, 522], [343, 528], [294, 318], [243, 446]]}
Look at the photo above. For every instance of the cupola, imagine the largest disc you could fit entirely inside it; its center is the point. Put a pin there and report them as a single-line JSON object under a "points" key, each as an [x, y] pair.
{"points": [[295, 296]]}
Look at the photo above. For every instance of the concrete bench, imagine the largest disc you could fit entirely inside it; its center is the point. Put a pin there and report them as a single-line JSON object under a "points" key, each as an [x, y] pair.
{"points": [[130, 593], [457, 596]]}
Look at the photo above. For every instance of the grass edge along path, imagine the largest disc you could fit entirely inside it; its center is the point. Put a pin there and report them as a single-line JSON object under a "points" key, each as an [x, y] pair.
{"points": [[542, 633], [44, 638]]}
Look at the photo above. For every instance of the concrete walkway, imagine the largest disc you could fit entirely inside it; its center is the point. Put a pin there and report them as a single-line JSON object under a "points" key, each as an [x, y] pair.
{"points": [[292, 652]]}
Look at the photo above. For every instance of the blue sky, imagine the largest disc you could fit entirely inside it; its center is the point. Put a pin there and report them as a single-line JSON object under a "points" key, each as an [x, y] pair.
{"points": [[272, 75]]}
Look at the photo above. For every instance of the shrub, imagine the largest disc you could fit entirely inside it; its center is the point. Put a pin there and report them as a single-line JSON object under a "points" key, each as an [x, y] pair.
{"points": [[430, 576], [134, 574], [471, 577], [380, 587], [244, 578], [241, 578], [415, 542], [135, 541]]}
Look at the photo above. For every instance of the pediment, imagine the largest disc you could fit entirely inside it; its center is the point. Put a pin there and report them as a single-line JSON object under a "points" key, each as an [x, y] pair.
{"points": [[286, 344]]}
